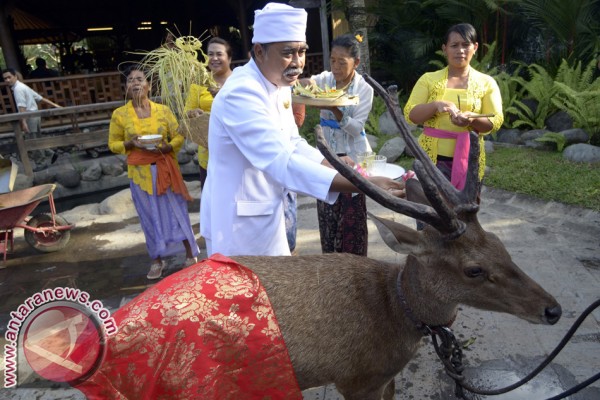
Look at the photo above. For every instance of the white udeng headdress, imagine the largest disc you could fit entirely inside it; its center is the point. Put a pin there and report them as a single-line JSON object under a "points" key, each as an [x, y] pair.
{"points": [[279, 23]]}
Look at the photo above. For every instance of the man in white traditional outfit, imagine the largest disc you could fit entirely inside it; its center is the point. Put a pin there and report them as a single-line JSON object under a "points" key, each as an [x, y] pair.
{"points": [[256, 153]]}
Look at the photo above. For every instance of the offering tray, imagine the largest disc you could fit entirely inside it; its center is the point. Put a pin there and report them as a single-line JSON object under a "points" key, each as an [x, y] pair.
{"points": [[343, 100]]}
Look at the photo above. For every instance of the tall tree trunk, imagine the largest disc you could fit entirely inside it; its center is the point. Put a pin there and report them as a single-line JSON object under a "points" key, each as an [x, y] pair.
{"points": [[357, 20]]}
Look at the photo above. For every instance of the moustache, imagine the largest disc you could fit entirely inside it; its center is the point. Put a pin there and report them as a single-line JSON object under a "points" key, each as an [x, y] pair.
{"points": [[293, 71]]}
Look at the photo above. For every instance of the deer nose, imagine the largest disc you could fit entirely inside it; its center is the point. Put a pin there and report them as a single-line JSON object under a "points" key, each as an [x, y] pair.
{"points": [[553, 314]]}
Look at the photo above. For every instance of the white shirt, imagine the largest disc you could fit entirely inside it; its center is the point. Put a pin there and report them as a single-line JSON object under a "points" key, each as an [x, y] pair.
{"points": [[25, 96], [256, 156]]}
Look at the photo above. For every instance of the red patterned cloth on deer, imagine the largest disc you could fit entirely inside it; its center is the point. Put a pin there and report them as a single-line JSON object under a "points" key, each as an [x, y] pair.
{"points": [[206, 332]]}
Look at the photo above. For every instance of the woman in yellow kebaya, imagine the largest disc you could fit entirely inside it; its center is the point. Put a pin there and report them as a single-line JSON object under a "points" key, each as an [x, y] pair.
{"points": [[452, 102], [157, 187], [200, 98]]}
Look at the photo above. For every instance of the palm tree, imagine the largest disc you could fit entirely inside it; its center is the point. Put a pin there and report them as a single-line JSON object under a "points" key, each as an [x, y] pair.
{"points": [[571, 29], [490, 18], [409, 32], [404, 40]]}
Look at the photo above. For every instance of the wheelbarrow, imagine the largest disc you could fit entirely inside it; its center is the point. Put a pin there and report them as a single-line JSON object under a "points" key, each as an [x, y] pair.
{"points": [[45, 232]]}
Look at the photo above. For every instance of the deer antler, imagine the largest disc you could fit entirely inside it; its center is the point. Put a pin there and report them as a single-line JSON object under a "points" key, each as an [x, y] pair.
{"points": [[446, 201], [444, 221], [463, 201]]}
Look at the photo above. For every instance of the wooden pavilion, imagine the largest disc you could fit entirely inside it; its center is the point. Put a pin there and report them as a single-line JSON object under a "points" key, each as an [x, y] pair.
{"points": [[117, 29]]}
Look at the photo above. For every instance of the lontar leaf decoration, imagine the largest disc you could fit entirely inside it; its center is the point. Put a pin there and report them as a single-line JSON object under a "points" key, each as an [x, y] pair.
{"points": [[173, 68], [315, 92]]}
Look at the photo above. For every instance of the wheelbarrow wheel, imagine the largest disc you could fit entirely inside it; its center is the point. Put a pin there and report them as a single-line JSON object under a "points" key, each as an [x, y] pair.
{"points": [[52, 241]]}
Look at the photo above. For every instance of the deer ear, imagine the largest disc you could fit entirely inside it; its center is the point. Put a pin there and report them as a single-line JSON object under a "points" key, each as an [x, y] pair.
{"points": [[398, 237]]}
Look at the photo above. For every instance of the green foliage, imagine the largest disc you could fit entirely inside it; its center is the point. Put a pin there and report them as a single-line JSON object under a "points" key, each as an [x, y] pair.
{"points": [[409, 33], [439, 63], [527, 103], [570, 28], [509, 90], [48, 52], [307, 130], [404, 40], [578, 94], [486, 63], [553, 137], [372, 123], [575, 78], [545, 175], [525, 117], [583, 107], [539, 89]]}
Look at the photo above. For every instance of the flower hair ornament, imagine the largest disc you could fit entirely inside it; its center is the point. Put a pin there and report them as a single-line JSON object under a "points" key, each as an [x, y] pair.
{"points": [[359, 37]]}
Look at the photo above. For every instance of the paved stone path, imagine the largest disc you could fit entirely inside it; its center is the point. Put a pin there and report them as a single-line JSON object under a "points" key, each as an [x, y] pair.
{"points": [[556, 245]]}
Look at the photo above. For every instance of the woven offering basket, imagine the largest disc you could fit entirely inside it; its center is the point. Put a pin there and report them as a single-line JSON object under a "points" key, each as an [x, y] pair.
{"points": [[196, 129]]}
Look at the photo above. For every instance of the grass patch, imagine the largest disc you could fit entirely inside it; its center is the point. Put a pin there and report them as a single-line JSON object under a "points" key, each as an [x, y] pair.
{"points": [[545, 175], [541, 174]]}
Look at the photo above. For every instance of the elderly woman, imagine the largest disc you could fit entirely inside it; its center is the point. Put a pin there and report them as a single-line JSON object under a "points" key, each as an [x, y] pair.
{"points": [[157, 187], [343, 224], [453, 101], [200, 98]]}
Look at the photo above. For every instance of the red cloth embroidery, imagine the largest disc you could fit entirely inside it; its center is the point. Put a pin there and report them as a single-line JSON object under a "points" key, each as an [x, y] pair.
{"points": [[206, 332]]}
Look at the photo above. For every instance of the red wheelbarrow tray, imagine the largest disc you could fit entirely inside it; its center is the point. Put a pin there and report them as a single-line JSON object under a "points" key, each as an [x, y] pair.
{"points": [[15, 208]]}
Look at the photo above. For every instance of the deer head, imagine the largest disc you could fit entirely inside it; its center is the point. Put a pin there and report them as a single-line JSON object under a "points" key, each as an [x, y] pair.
{"points": [[453, 260]]}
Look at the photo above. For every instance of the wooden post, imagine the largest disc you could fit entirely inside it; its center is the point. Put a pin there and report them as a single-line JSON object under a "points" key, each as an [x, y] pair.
{"points": [[324, 34], [322, 5], [22, 147]]}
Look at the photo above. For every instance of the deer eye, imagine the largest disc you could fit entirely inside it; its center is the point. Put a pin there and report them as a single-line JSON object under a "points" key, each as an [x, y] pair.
{"points": [[473, 272]]}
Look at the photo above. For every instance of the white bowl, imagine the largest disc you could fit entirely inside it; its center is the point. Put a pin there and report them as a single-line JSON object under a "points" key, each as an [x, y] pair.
{"points": [[150, 141]]}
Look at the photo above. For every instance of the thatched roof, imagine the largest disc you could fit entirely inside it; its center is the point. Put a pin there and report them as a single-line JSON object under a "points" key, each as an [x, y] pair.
{"points": [[31, 29]]}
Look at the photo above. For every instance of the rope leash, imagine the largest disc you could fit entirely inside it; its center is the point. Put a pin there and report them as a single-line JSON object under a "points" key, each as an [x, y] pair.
{"points": [[450, 354]]}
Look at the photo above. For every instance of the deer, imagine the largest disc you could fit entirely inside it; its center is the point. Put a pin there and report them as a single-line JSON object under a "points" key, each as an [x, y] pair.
{"points": [[356, 321]]}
